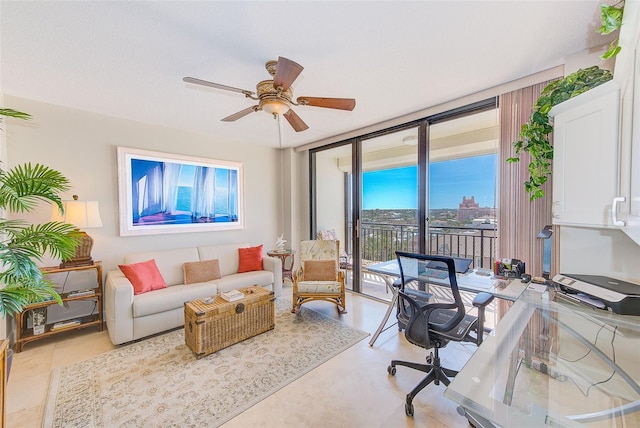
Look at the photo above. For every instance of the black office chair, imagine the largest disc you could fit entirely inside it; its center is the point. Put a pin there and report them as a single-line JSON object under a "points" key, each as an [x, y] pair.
{"points": [[432, 324]]}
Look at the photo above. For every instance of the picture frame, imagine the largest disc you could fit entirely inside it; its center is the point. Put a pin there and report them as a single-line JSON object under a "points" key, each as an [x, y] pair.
{"points": [[170, 193]]}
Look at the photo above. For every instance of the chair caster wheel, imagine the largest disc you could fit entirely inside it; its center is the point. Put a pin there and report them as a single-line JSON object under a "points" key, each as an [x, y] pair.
{"points": [[408, 409], [391, 370]]}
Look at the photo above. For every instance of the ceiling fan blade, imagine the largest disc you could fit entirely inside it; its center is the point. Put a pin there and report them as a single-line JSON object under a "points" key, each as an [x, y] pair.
{"points": [[295, 121], [240, 114], [214, 85], [286, 72], [337, 103]]}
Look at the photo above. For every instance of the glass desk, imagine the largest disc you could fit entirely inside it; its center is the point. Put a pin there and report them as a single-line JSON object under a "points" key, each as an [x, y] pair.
{"points": [[553, 364]]}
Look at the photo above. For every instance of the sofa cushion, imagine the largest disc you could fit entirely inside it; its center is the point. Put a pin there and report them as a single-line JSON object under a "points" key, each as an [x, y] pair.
{"points": [[320, 270], [144, 276], [202, 271], [169, 262], [234, 281], [171, 298], [227, 255], [250, 259]]}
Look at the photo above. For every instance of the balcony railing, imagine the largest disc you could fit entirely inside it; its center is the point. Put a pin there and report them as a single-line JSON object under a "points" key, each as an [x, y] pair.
{"points": [[380, 241]]}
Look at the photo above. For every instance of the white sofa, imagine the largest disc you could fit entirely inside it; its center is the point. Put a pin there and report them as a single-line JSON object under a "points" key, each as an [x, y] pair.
{"points": [[131, 317]]}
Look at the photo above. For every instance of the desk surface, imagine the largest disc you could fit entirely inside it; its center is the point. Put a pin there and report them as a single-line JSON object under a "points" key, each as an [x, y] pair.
{"points": [[548, 363], [472, 282]]}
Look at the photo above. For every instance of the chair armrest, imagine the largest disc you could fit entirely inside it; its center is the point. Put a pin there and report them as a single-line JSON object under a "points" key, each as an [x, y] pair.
{"points": [[482, 300]]}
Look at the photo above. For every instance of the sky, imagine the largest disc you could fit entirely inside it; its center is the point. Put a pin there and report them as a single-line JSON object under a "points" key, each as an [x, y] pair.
{"points": [[449, 181]]}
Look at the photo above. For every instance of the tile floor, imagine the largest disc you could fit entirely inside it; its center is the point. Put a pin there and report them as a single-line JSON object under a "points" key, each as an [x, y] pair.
{"points": [[352, 389]]}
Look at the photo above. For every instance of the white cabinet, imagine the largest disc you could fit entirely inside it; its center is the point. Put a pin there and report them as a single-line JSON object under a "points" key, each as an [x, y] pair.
{"points": [[585, 157], [627, 74]]}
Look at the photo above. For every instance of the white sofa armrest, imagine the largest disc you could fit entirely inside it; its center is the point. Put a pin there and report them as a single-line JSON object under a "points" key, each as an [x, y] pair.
{"points": [[274, 265], [118, 306]]}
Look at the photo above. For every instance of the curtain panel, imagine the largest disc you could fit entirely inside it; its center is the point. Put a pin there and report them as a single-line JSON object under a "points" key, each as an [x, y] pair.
{"points": [[519, 219]]}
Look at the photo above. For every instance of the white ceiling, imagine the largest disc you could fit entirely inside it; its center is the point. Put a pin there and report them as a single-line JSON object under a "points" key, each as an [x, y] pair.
{"points": [[127, 58]]}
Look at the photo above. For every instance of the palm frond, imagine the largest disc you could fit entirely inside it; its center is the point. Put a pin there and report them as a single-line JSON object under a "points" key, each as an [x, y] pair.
{"points": [[14, 113], [23, 186]]}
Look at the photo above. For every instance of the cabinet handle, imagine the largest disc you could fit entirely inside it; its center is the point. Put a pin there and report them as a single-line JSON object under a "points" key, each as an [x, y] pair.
{"points": [[614, 211]]}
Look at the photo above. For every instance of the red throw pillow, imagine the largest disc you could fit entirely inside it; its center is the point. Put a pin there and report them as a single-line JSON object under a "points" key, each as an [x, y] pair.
{"points": [[144, 276], [250, 259]]}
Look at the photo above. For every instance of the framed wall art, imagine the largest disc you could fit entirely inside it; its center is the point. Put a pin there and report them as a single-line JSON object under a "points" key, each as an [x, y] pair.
{"points": [[168, 193]]}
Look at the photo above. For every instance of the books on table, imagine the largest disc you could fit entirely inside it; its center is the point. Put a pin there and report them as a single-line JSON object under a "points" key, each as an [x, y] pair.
{"points": [[232, 295], [66, 324], [78, 293]]}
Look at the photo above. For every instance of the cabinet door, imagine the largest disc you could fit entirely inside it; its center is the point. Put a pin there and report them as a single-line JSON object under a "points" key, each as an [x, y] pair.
{"points": [[627, 73], [585, 157]]}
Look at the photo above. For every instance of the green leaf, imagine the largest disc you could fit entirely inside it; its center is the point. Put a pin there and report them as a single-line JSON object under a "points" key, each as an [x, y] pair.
{"points": [[14, 113]]}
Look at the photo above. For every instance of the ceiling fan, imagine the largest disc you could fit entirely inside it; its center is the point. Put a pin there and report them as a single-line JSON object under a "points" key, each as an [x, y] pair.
{"points": [[275, 96]]}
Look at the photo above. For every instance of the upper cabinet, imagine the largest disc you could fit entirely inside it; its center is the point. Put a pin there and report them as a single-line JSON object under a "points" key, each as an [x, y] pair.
{"points": [[596, 166], [585, 157], [627, 75]]}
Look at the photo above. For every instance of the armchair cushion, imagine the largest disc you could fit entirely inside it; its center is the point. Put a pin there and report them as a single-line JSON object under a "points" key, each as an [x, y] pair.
{"points": [[328, 287], [320, 270], [202, 271]]}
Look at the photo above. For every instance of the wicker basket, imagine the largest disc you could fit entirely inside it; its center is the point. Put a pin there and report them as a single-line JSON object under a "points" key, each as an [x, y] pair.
{"points": [[211, 327]]}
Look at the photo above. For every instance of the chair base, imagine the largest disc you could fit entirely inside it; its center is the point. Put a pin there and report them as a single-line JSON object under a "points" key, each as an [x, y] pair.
{"points": [[299, 301], [435, 373]]}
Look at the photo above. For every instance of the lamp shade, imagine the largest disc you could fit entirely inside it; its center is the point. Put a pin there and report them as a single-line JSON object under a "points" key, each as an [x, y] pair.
{"points": [[81, 214]]}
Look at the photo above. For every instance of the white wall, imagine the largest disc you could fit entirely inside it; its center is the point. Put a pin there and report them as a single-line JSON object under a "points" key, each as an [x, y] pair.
{"points": [[82, 146]]}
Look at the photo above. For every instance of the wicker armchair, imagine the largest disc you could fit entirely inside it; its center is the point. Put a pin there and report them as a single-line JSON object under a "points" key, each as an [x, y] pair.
{"points": [[319, 277]]}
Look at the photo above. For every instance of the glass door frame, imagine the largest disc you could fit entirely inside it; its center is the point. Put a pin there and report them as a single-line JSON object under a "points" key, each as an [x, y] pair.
{"points": [[356, 176]]}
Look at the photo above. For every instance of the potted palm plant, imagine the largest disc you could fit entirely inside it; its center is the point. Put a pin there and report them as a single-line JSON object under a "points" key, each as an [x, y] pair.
{"points": [[22, 245]]}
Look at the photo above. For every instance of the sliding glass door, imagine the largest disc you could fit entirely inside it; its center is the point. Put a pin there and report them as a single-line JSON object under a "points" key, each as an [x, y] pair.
{"points": [[462, 187], [424, 187], [389, 195]]}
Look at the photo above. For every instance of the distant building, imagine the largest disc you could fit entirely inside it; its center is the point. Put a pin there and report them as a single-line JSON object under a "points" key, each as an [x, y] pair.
{"points": [[469, 209]]}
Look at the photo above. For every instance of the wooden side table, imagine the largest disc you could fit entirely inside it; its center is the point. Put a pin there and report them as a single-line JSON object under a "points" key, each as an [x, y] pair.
{"points": [[93, 292], [285, 256]]}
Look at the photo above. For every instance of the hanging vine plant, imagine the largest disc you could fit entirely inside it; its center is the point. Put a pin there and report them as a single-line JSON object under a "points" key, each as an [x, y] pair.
{"points": [[534, 135], [611, 20]]}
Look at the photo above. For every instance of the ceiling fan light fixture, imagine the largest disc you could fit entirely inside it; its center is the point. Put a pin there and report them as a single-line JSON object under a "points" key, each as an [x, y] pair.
{"points": [[275, 106]]}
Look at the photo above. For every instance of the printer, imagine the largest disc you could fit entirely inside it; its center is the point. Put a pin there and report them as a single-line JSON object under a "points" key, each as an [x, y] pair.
{"points": [[602, 292]]}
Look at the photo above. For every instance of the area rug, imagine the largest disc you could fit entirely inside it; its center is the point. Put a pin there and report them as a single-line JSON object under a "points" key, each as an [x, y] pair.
{"points": [[159, 382]]}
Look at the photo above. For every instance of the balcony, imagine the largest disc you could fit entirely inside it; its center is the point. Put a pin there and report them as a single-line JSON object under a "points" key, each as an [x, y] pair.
{"points": [[380, 241]]}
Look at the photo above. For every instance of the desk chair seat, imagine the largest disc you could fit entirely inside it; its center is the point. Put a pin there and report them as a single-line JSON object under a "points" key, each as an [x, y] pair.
{"points": [[433, 324]]}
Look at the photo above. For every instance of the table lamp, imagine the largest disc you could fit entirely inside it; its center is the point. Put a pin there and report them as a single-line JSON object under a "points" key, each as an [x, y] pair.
{"points": [[83, 215]]}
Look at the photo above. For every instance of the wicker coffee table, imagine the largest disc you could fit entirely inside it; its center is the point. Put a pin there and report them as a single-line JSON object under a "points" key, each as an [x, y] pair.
{"points": [[209, 327]]}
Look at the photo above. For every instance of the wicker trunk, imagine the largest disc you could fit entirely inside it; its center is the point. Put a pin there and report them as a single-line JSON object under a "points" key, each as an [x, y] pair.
{"points": [[211, 327]]}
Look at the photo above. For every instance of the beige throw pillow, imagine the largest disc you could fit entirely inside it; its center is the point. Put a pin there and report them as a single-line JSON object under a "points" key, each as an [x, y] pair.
{"points": [[320, 270], [202, 271]]}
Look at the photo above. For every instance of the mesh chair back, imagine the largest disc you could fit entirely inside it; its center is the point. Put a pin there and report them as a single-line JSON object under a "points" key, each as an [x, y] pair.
{"points": [[437, 276]]}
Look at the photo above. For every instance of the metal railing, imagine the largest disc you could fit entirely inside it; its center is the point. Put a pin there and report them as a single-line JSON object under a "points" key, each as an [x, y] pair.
{"points": [[380, 241]]}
